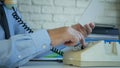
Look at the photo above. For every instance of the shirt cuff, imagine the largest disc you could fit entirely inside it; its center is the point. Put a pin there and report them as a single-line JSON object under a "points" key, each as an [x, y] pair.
{"points": [[41, 40]]}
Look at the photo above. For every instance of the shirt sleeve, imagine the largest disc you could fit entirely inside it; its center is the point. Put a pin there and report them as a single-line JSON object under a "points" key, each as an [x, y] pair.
{"points": [[19, 49]]}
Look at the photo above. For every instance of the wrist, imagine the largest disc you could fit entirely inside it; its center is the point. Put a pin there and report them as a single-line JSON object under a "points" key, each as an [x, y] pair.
{"points": [[57, 35]]}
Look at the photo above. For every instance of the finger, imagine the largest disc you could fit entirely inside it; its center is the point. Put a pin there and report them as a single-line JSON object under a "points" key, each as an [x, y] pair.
{"points": [[92, 25], [82, 41], [73, 39], [70, 43], [83, 31], [80, 28], [76, 26], [88, 29]]}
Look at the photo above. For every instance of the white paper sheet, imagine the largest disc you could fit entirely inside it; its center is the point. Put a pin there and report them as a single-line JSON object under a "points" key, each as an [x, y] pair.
{"points": [[94, 9]]}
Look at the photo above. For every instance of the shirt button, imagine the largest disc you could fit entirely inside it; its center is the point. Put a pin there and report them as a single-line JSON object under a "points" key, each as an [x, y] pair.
{"points": [[19, 56], [44, 46]]}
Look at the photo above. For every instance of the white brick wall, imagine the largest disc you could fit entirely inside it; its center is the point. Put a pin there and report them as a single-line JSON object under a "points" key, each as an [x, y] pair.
{"points": [[52, 10], [65, 3], [42, 2], [82, 3], [57, 13]]}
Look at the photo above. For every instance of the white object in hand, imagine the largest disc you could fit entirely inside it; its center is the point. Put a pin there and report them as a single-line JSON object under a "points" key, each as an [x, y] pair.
{"points": [[94, 9]]}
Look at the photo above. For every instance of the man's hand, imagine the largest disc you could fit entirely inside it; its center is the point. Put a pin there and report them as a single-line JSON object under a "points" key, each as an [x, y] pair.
{"points": [[85, 30], [64, 35], [70, 35]]}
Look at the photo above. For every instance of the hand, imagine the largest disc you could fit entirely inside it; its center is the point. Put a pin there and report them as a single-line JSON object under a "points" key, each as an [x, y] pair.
{"points": [[85, 30], [65, 35]]}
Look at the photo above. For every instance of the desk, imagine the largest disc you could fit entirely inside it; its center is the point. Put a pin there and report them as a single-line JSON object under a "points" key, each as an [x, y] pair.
{"points": [[53, 64]]}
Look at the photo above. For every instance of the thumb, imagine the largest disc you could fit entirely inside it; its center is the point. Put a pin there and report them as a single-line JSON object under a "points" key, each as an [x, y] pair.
{"points": [[82, 41]]}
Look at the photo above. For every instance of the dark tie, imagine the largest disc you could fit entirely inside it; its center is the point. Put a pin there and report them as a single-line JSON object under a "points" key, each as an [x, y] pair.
{"points": [[4, 22]]}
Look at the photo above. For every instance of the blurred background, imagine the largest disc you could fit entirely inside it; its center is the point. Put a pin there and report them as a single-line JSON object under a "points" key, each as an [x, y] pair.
{"points": [[50, 14]]}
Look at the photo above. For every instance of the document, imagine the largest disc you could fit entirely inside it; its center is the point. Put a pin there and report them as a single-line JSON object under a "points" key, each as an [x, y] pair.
{"points": [[94, 9]]}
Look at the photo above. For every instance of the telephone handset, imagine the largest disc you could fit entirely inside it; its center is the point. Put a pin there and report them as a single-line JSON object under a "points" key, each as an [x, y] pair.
{"points": [[29, 30]]}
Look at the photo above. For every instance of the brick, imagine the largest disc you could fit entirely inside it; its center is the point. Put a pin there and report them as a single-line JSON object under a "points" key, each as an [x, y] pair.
{"points": [[53, 10], [35, 25], [112, 6], [63, 18], [25, 16], [41, 17], [107, 20], [67, 3], [77, 11], [42, 2], [30, 9], [25, 2], [22, 8], [113, 1], [35, 9], [82, 3], [52, 25], [69, 24], [112, 13]]}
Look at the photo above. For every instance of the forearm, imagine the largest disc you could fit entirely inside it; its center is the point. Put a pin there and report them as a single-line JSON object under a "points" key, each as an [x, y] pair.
{"points": [[57, 35], [21, 48]]}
